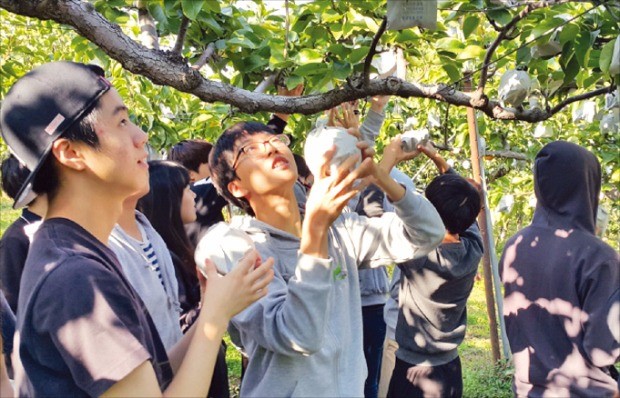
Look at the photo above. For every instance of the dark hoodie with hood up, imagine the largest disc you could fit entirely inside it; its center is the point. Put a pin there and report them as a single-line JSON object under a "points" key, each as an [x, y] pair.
{"points": [[561, 284]]}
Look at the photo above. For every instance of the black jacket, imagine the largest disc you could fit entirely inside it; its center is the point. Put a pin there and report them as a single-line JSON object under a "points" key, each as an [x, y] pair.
{"points": [[562, 283]]}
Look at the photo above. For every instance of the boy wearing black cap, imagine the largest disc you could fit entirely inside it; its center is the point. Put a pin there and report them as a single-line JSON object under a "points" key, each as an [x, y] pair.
{"points": [[82, 329]]}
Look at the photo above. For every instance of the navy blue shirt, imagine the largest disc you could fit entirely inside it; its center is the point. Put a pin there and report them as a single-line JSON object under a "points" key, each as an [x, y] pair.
{"points": [[13, 251], [82, 326]]}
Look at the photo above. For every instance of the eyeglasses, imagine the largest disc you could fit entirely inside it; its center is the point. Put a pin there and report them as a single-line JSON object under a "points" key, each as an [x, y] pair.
{"points": [[259, 148]]}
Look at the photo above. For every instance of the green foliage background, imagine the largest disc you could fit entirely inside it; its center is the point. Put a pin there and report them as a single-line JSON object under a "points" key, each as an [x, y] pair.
{"points": [[326, 43]]}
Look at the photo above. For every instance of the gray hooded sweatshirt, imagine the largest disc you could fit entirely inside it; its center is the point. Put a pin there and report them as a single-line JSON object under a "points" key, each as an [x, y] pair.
{"points": [[305, 337]]}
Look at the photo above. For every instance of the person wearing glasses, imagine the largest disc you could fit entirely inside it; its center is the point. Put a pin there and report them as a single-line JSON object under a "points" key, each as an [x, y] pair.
{"points": [[305, 337]]}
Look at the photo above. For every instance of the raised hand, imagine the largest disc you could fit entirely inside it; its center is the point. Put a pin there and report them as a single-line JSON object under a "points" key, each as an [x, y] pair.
{"points": [[378, 103], [428, 149], [296, 92], [344, 116], [328, 196], [393, 154], [331, 192], [246, 283]]}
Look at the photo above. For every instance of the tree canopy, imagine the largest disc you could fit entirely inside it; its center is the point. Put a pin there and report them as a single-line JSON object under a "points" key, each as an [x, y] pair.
{"points": [[188, 68]]}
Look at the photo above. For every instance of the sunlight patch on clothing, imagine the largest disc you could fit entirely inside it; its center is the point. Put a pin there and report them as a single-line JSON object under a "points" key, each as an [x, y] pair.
{"points": [[562, 233]]}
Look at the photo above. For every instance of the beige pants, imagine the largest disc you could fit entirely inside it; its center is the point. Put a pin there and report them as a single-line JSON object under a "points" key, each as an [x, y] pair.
{"points": [[387, 365]]}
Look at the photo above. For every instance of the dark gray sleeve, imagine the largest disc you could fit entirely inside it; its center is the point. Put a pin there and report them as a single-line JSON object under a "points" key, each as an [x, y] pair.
{"points": [[599, 293], [13, 252], [7, 323]]}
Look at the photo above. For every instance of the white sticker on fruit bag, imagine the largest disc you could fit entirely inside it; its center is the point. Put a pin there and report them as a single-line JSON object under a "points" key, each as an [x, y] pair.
{"points": [[403, 14]]}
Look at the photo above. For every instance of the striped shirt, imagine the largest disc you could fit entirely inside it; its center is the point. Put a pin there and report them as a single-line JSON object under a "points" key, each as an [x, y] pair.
{"points": [[151, 257]]}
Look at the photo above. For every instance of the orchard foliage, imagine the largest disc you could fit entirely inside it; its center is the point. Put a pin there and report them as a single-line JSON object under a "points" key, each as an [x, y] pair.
{"points": [[324, 45]]}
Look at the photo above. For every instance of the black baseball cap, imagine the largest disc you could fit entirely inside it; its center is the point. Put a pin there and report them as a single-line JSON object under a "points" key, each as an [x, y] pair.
{"points": [[41, 106]]}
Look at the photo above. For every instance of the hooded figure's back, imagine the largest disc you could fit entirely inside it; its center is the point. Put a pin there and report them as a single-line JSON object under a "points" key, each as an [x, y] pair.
{"points": [[561, 283]]}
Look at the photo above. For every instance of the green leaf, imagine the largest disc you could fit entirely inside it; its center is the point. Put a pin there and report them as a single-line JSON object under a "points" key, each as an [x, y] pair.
{"points": [[254, 62], [453, 72], [547, 25], [310, 69], [144, 102], [471, 52], [568, 33], [583, 46], [241, 42], [228, 11], [371, 24], [450, 44], [358, 54], [331, 15], [501, 16], [302, 22], [293, 81], [8, 69], [607, 53], [570, 68], [213, 6], [524, 55], [342, 70], [191, 8], [115, 15], [406, 35], [337, 49], [212, 24], [310, 56], [157, 12], [470, 24]]}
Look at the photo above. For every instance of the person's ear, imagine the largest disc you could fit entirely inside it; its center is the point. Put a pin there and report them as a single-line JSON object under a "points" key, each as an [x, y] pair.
{"points": [[237, 190], [69, 153], [193, 176]]}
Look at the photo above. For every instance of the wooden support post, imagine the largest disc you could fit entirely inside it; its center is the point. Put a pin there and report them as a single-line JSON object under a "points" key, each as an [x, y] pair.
{"points": [[482, 223]]}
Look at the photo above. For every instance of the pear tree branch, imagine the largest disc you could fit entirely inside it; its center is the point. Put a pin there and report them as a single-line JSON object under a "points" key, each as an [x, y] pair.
{"points": [[170, 69], [206, 55], [178, 45]]}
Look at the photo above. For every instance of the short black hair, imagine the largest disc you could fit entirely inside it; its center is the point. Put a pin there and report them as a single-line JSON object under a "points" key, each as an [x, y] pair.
{"points": [[190, 153], [14, 175], [457, 201], [222, 156]]}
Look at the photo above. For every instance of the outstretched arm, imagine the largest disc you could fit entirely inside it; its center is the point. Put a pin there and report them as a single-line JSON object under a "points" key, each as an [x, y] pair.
{"points": [[224, 297], [411, 232], [429, 150], [296, 92]]}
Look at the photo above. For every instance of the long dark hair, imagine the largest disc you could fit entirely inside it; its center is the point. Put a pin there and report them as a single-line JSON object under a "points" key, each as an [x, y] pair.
{"points": [[162, 206]]}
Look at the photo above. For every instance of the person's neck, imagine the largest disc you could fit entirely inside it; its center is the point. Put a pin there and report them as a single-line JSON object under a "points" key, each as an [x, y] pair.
{"points": [[451, 238], [280, 212], [39, 206], [127, 219], [93, 210]]}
